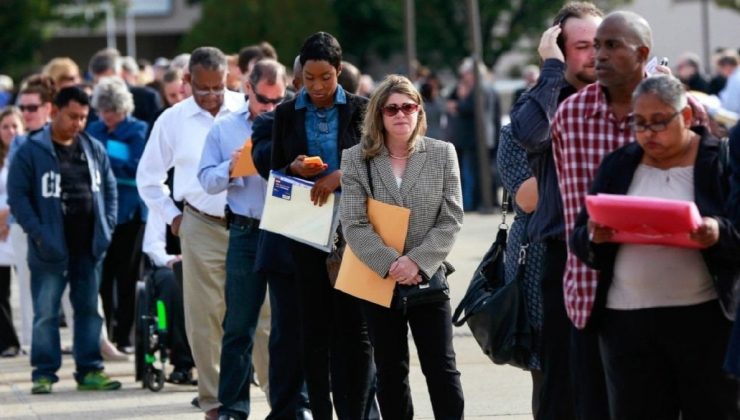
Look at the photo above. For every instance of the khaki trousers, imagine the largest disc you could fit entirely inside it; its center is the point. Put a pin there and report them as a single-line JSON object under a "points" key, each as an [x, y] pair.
{"points": [[204, 244]]}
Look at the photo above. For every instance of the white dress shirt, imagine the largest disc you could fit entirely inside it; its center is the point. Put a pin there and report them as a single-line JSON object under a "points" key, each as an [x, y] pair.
{"points": [[155, 240], [177, 141]]}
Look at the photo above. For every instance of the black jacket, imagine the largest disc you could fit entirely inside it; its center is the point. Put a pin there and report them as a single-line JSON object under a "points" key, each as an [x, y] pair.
{"points": [[711, 190], [289, 131]]}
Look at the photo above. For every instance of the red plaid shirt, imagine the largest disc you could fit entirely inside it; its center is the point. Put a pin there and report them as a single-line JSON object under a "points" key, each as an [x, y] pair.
{"points": [[583, 132]]}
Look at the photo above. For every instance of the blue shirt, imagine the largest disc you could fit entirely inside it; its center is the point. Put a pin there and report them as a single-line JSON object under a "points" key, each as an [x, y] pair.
{"points": [[245, 195], [322, 127]]}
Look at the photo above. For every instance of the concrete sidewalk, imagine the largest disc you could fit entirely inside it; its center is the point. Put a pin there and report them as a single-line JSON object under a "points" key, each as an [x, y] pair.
{"points": [[495, 392]]}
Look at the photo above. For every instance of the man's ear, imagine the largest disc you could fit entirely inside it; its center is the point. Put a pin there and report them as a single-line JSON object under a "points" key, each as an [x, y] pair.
{"points": [[339, 69], [643, 53], [54, 110], [186, 78]]}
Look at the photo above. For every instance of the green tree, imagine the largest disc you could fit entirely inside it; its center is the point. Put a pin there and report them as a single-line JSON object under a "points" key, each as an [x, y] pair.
{"points": [[27, 23], [233, 24], [375, 27]]}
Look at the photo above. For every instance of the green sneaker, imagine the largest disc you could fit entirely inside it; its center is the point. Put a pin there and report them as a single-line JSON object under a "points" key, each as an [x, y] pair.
{"points": [[98, 381], [41, 386]]}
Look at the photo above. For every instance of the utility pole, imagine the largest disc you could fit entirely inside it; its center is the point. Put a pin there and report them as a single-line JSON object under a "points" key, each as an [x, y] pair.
{"points": [[410, 35], [484, 164]]}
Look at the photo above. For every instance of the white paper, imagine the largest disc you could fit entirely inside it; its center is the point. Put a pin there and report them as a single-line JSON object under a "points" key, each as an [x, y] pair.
{"points": [[290, 212]]}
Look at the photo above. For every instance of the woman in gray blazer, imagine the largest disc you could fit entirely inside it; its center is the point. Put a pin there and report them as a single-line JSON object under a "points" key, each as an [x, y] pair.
{"points": [[422, 174]]}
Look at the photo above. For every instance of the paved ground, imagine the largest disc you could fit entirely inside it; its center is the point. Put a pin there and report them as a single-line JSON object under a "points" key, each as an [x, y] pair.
{"points": [[494, 392]]}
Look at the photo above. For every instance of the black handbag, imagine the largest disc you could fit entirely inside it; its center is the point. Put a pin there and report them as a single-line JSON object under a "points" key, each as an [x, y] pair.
{"points": [[494, 310], [430, 290]]}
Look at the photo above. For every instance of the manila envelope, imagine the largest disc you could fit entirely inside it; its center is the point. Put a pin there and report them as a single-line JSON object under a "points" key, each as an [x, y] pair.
{"points": [[244, 166], [391, 223]]}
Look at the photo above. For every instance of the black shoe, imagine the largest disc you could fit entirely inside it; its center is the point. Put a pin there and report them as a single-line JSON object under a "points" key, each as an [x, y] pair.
{"points": [[126, 349], [182, 377], [195, 403]]}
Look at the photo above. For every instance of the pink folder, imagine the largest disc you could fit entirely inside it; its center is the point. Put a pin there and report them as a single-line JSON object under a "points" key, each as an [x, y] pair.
{"points": [[645, 220]]}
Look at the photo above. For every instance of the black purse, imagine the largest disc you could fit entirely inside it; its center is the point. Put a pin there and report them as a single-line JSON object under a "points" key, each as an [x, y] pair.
{"points": [[494, 310], [431, 289]]}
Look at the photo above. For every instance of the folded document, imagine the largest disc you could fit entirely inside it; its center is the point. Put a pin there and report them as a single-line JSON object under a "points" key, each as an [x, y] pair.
{"points": [[645, 220], [290, 212]]}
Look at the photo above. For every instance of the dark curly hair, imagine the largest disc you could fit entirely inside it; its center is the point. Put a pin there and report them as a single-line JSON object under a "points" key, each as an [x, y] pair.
{"points": [[322, 46]]}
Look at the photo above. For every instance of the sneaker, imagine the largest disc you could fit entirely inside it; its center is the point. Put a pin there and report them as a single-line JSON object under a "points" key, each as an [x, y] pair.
{"points": [[97, 381], [41, 386]]}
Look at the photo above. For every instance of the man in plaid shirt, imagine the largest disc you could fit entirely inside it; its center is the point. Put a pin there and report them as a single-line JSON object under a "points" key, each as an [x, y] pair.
{"points": [[587, 126]]}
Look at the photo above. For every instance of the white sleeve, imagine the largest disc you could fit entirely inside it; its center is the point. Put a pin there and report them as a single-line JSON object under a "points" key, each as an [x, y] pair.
{"points": [[155, 240], [151, 175]]}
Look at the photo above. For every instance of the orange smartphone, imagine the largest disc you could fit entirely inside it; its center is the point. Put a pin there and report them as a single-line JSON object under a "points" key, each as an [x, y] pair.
{"points": [[313, 161]]}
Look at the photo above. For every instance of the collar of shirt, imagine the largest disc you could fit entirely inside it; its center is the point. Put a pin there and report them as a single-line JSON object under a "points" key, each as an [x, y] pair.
{"points": [[304, 101], [233, 102]]}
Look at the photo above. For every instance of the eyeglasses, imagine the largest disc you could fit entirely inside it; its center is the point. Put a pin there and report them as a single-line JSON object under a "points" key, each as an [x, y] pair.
{"points": [[206, 92], [265, 100], [408, 108], [654, 127], [29, 108]]}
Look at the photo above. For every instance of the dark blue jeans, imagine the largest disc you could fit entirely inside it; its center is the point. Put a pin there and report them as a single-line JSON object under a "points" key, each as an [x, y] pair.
{"points": [[83, 276], [245, 293]]}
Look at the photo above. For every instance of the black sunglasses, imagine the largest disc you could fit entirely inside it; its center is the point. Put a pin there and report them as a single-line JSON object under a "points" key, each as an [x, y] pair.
{"points": [[408, 108], [29, 108], [265, 100]]}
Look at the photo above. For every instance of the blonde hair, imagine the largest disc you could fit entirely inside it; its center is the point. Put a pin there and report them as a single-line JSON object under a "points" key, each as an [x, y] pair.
{"points": [[373, 130], [61, 68]]}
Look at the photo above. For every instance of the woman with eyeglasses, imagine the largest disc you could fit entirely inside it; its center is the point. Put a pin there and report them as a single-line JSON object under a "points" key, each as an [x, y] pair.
{"points": [[11, 125], [396, 164], [664, 310]]}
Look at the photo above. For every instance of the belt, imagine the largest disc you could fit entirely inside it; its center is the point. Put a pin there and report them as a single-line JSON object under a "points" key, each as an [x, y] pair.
{"points": [[243, 221], [219, 220]]}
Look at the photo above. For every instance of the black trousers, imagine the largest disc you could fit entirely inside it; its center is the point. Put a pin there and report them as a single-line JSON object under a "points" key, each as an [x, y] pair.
{"points": [[587, 375], [8, 336], [331, 322], [431, 328], [168, 287], [664, 361], [118, 284], [556, 395]]}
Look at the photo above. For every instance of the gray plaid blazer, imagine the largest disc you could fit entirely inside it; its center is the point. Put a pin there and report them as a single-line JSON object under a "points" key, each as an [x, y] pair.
{"points": [[430, 188]]}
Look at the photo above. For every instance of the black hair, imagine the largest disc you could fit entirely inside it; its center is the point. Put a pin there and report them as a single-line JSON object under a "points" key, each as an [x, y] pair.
{"points": [[71, 93], [258, 51], [322, 46], [349, 78]]}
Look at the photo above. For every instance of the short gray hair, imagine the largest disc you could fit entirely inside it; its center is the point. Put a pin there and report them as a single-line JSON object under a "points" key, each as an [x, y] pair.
{"points": [[666, 88], [269, 70], [105, 60], [112, 94], [130, 65], [208, 58]]}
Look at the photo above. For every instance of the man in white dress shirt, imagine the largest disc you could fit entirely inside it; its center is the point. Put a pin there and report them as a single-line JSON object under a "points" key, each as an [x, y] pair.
{"points": [[176, 141]]}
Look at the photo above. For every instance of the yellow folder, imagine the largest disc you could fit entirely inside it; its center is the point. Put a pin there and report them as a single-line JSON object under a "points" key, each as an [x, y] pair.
{"points": [[391, 223], [245, 165]]}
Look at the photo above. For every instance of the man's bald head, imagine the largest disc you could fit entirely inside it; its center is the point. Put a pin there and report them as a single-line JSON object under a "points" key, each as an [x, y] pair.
{"points": [[634, 27]]}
